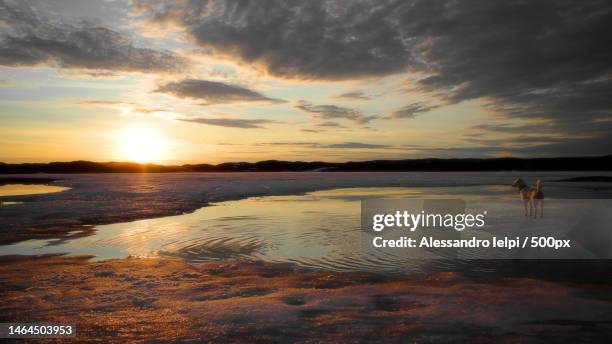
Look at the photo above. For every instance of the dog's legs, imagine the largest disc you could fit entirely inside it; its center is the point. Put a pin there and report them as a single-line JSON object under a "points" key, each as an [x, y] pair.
{"points": [[524, 201], [541, 205], [532, 208]]}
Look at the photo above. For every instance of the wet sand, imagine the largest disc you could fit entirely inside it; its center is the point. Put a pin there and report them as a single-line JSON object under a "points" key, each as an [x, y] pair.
{"points": [[235, 301]]}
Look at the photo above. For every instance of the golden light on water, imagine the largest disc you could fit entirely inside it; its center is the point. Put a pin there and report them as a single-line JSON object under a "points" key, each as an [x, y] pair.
{"points": [[142, 144]]}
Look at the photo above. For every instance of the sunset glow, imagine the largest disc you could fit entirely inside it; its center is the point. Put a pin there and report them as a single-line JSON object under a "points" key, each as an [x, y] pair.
{"points": [[322, 82], [298, 171], [142, 144]]}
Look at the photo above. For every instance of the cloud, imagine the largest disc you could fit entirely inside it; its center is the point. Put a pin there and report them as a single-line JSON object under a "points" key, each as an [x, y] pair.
{"points": [[28, 39], [230, 122], [324, 126], [534, 147], [517, 128], [133, 107], [411, 110], [330, 124], [327, 112], [354, 95], [528, 59], [146, 111], [97, 74], [342, 145], [515, 141], [353, 145], [104, 102], [213, 92], [310, 39], [302, 144], [567, 147]]}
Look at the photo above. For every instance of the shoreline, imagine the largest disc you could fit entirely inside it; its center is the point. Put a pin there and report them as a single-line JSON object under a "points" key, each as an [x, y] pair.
{"points": [[234, 301], [105, 198]]}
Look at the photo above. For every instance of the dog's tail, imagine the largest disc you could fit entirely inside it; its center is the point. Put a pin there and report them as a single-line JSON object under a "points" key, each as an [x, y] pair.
{"points": [[538, 185]]}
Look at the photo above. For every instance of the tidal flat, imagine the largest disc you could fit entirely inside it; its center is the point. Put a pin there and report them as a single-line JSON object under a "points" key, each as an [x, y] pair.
{"points": [[225, 290], [151, 300], [106, 198]]}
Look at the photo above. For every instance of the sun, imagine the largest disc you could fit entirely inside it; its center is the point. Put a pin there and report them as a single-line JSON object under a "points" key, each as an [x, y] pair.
{"points": [[142, 144]]}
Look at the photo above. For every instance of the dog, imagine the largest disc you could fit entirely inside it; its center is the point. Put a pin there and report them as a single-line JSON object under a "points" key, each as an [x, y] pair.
{"points": [[532, 198]]}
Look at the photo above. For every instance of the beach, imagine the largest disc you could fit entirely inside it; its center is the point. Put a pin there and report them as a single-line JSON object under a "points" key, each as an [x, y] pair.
{"points": [[146, 300], [96, 199], [240, 171], [99, 255]]}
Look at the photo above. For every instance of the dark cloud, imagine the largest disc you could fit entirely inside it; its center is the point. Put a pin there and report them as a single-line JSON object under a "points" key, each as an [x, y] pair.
{"points": [[525, 146], [230, 122], [29, 39], [301, 144], [516, 141], [531, 146], [213, 92], [367, 119], [506, 128], [528, 59], [312, 39], [327, 112], [356, 145], [343, 145], [97, 74], [534, 59], [354, 95], [330, 124], [567, 147], [534, 147], [410, 111]]}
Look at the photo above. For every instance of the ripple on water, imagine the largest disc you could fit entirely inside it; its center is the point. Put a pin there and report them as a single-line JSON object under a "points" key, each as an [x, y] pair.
{"points": [[209, 249], [320, 230]]}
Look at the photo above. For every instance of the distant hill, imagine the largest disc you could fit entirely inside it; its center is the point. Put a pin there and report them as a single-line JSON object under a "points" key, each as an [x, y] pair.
{"points": [[603, 163]]}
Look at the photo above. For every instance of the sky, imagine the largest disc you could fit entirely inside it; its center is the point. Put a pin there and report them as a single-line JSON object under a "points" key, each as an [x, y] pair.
{"points": [[178, 82]]}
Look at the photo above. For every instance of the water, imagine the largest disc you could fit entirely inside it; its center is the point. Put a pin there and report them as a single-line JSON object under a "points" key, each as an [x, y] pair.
{"points": [[28, 189], [318, 230]]}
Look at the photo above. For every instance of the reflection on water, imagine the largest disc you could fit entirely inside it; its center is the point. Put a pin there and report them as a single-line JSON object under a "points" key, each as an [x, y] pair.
{"points": [[28, 189], [317, 230]]}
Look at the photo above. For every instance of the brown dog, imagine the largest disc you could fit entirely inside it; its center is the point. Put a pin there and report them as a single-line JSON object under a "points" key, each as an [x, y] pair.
{"points": [[532, 198]]}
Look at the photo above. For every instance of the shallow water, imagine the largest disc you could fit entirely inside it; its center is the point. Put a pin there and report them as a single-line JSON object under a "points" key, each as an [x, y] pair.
{"points": [[28, 189], [319, 230]]}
